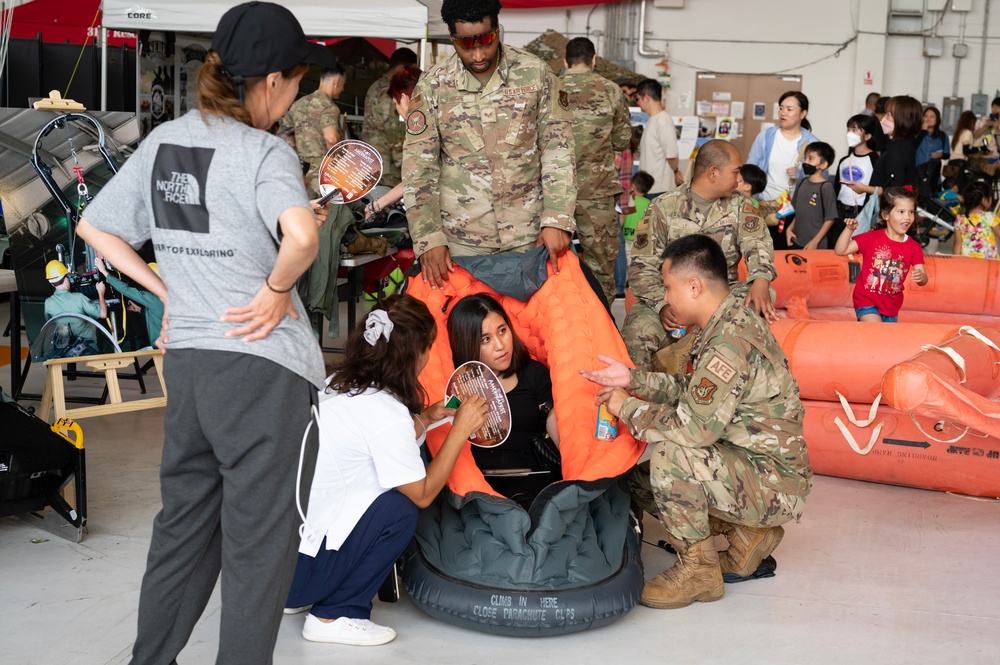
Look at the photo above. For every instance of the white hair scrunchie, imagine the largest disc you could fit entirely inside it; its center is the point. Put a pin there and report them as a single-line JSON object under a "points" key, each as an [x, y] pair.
{"points": [[377, 325]]}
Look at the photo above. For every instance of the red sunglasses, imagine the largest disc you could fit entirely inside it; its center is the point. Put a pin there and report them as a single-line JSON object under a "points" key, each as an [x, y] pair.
{"points": [[483, 38]]}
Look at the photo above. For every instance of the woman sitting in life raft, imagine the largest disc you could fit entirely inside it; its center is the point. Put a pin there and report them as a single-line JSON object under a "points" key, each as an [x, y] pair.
{"points": [[479, 329]]}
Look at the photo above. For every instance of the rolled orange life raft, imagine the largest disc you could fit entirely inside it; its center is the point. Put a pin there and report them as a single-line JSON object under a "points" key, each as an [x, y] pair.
{"points": [[889, 446], [957, 380]]}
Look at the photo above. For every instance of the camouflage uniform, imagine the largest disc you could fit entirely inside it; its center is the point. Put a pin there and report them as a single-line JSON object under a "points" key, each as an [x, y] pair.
{"points": [[728, 439], [735, 223], [384, 131], [304, 124], [488, 167], [601, 127]]}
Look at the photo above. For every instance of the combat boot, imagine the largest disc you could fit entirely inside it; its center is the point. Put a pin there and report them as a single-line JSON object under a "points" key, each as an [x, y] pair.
{"points": [[362, 244], [748, 545], [695, 576]]}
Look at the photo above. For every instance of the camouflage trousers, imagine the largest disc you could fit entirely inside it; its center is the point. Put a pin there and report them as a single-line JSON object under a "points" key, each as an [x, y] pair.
{"points": [[312, 176], [597, 229], [683, 486], [643, 334]]}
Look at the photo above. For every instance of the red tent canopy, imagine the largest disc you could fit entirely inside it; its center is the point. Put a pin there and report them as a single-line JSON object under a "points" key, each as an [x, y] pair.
{"points": [[61, 21]]}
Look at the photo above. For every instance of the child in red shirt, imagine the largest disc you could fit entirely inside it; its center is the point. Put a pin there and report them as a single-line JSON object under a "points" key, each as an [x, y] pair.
{"points": [[888, 254]]}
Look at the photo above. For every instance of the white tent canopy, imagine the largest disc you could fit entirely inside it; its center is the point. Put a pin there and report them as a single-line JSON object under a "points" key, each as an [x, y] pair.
{"points": [[403, 20]]}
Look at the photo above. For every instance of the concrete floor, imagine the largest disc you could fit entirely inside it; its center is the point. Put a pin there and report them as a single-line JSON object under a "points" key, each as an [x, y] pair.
{"points": [[873, 574]]}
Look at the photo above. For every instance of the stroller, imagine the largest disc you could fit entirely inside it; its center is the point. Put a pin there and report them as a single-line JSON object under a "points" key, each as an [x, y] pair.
{"points": [[935, 219]]}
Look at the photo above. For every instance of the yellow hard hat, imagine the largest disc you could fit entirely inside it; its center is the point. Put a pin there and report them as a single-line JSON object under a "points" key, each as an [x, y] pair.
{"points": [[55, 271], [155, 267]]}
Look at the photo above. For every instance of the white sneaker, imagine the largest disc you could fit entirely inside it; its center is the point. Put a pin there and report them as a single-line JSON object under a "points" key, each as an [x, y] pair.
{"points": [[298, 610], [356, 632]]}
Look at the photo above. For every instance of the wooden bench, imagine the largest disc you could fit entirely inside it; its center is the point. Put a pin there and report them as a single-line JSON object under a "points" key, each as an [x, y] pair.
{"points": [[54, 394]]}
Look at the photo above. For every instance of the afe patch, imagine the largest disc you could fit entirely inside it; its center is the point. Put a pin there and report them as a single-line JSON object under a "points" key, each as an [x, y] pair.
{"points": [[750, 208], [703, 392], [751, 223], [416, 122], [641, 240], [564, 99], [720, 368]]}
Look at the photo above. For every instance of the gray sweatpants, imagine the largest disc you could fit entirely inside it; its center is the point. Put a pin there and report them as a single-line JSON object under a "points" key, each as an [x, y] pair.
{"points": [[233, 430]]}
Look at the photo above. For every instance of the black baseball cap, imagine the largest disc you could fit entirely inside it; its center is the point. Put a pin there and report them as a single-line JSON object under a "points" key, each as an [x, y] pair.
{"points": [[257, 38]]}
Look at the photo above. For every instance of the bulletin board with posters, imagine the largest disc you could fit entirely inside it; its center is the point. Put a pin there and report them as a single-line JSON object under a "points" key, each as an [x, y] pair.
{"points": [[737, 106]]}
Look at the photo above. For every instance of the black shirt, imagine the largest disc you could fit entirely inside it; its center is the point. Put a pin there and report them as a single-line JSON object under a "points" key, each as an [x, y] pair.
{"points": [[898, 164], [530, 403]]}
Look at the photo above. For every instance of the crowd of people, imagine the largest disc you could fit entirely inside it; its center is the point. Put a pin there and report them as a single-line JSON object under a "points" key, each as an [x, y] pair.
{"points": [[494, 154]]}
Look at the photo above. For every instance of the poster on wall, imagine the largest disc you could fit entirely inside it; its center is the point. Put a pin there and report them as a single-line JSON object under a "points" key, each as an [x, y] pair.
{"points": [[725, 129], [759, 111], [687, 134], [156, 79], [168, 70], [57, 280]]}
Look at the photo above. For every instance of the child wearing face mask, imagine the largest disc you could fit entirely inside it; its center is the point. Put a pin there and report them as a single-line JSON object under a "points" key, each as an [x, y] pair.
{"points": [[853, 170], [814, 201]]}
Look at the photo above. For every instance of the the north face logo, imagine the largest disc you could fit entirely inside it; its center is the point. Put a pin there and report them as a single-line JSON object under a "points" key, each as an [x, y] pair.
{"points": [[179, 193], [181, 188]]}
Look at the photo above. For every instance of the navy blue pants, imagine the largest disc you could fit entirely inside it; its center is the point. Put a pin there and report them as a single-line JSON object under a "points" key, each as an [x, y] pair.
{"points": [[342, 583], [621, 265]]}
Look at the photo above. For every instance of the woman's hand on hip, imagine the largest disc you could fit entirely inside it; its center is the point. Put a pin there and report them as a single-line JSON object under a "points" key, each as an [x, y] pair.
{"points": [[262, 315]]}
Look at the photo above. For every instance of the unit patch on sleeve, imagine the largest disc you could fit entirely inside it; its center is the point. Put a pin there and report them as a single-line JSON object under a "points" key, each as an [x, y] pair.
{"points": [[564, 99], [704, 391], [416, 122], [751, 223]]}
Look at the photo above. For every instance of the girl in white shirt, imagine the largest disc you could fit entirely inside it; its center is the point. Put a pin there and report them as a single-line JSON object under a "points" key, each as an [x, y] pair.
{"points": [[370, 479]]}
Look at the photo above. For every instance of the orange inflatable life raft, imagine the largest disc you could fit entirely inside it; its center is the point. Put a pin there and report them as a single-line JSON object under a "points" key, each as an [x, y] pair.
{"points": [[955, 284], [889, 446], [940, 425], [850, 358]]}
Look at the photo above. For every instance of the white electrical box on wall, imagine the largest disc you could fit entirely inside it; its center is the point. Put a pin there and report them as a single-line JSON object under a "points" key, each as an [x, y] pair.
{"points": [[937, 5], [962, 5], [933, 47]]}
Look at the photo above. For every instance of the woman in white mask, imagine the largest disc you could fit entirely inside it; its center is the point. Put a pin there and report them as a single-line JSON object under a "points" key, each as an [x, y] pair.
{"points": [[897, 166]]}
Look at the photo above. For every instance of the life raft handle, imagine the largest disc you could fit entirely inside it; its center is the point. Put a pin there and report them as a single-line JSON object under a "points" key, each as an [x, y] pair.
{"points": [[931, 436], [859, 423], [969, 330], [955, 356]]}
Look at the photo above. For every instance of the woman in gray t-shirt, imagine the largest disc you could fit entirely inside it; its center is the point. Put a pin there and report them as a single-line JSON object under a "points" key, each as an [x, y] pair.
{"points": [[224, 204]]}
